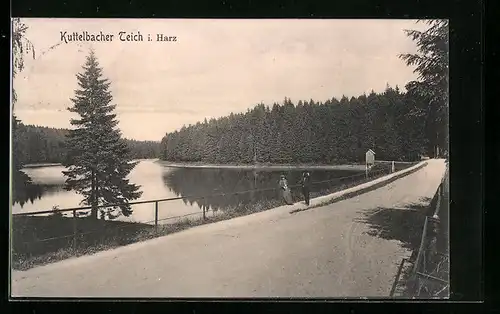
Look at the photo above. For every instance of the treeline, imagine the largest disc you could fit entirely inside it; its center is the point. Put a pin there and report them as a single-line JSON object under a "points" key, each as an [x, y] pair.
{"points": [[307, 132], [144, 149], [39, 144]]}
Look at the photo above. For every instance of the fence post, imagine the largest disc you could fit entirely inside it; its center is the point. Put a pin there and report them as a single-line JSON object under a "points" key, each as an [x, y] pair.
{"points": [[398, 274], [438, 203], [156, 216], [74, 229], [420, 250], [204, 217]]}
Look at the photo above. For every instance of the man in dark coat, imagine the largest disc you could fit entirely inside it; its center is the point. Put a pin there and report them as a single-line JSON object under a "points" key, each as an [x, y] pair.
{"points": [[306, 186]]}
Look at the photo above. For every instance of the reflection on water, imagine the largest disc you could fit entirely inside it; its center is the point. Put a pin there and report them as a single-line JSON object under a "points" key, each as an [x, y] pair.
{"points": [[159, 182], [251, 186]]}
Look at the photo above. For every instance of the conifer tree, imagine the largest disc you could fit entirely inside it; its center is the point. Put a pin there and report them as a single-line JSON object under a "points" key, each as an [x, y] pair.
{"points": [[98, 159], [431, 64]]}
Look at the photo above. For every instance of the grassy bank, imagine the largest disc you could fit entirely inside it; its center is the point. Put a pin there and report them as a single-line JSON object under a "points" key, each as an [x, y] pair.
{"points": [[38, 240], [41, 240]]}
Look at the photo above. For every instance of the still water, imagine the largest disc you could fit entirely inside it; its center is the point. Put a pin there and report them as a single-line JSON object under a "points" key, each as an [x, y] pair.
{"points": [[158, 181]]}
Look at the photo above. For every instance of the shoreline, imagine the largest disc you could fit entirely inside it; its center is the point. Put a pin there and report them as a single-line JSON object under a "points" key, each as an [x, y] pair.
{"points": [[56, 164], [40, 165], [263, 166], [357, 167]]}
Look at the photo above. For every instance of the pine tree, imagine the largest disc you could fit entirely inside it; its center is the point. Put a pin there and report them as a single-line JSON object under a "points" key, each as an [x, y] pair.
{"points": [[98, 159]]}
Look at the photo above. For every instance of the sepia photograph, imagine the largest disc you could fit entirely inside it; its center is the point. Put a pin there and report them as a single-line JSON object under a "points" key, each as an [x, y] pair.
{"points": [[229, 158]]}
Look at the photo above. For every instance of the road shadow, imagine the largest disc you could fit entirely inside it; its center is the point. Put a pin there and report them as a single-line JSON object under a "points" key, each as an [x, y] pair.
{"points": [[403, 223]]}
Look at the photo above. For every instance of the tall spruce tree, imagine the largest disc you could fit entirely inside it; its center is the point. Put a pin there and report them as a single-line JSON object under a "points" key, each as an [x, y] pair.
{"points": [[98, 159]]}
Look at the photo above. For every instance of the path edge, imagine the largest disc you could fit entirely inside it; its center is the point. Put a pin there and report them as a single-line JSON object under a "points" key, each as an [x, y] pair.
{"points": [[361, 188]]}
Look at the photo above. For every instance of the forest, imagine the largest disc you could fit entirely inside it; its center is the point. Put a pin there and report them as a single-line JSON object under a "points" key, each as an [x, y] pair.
{"points": [[328, 132], [40, 144]]}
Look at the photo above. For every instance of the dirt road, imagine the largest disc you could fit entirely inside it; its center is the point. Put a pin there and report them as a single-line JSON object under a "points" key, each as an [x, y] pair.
{"points": [[330, 251]]}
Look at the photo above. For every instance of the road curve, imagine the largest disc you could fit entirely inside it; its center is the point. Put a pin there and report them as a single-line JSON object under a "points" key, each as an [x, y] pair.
{"points": [[321, 252]]}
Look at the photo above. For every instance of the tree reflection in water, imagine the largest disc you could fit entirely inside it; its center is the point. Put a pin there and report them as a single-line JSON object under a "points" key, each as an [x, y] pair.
{"points": [[24, 190], [195, 182]]}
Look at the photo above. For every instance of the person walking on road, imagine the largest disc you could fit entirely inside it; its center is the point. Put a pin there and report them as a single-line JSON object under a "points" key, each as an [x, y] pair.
{"points": [[306, 186]]}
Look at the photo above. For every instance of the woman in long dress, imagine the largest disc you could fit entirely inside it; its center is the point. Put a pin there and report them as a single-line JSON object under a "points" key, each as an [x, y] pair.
{"points": [[285, 191]]}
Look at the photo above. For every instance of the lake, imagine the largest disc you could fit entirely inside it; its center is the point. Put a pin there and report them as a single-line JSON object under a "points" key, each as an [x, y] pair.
{"points": [[159, 181]]}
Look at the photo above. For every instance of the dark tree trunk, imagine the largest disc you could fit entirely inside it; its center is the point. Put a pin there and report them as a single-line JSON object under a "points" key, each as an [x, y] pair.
{"points": [[94, 213]]}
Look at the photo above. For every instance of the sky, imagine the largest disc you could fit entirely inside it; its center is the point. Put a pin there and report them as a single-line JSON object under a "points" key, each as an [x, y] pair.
{"points": [[213, 68]]}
